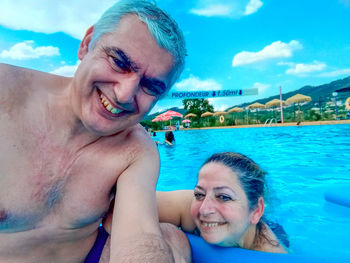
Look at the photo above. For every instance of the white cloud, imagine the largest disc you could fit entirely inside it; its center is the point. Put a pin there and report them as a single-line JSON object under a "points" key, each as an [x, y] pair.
{"points": [[335, 73], [194, 83], [277, 49], [67, 70], [282, 63], [302, 69], [261, 87], [252, 7], [224, 8], [213, 10], [218, 106], [71, 17], [25, 50]]}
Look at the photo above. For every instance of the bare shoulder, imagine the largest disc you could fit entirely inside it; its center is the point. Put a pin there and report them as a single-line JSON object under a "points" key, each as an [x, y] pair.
{"points": [[139, 137], [270, 242], [12, 77], [175, 207], [10, 74]]}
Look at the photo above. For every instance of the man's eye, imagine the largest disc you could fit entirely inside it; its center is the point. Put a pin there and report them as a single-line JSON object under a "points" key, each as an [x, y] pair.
{"points": [[198, 196], [151, 89], [224, 198], [120, 65]]}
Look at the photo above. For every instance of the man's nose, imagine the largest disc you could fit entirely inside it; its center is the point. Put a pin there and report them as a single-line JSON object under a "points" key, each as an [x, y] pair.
{"points": [[207, 206], [127, 88]]}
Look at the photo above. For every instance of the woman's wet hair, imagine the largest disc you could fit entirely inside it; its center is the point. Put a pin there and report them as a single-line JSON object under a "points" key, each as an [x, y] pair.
{"points": [[161, 26], [169, 136]]}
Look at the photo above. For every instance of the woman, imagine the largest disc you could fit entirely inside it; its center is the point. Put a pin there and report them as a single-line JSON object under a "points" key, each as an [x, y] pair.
{"points": [[226, 205], [169, 139]]}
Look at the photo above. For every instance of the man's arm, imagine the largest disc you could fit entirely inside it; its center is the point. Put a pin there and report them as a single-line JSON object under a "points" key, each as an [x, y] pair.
{"points": [[136, 235]]}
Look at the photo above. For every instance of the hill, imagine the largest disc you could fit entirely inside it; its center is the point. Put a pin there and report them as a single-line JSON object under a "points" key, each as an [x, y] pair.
{"points": [[321, 93]]}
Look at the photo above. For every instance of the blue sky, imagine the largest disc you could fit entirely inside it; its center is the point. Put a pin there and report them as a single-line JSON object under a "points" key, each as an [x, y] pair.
{"points": [[232, 44]]}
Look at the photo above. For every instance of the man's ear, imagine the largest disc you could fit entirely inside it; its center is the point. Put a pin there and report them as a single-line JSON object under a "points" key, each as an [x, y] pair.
{"points": [[258, 211], [84, 44]]}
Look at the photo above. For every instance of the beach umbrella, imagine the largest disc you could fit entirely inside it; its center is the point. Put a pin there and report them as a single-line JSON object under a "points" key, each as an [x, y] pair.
{"points": [[161, 118], [218, 113], [207, 114], [297, 99], [236, 109], [186, 121], [171, 113], [190, 115], [256, 105], [274, 103]]}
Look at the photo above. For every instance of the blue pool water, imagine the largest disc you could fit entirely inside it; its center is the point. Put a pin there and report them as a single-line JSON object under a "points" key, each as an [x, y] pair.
{"points": [[302, 163]]}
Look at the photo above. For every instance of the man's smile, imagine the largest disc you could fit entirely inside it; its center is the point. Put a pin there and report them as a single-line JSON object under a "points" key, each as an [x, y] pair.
{"points": [[108, 106]]}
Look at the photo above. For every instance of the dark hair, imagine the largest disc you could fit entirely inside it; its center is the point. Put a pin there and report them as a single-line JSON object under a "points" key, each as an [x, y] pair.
{"points": [[252, 180], [169, 136]]}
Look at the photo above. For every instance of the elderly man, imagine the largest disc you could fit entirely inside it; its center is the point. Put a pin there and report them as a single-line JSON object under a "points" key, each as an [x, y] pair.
{"points": [[69, 146]]}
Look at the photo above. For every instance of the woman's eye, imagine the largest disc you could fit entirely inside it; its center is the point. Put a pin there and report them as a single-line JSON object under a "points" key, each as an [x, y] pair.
{"points": [[224, 198], [198, 196]]}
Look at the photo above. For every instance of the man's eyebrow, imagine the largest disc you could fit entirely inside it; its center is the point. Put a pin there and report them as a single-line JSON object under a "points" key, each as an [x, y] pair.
{"points": [[124, 58], [199, 187]]}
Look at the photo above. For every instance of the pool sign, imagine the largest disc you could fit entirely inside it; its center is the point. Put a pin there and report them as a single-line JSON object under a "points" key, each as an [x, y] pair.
{"points": [[181, 95]]}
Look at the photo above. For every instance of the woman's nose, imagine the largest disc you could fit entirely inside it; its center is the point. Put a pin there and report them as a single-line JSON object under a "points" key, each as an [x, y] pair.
{"points": [[207, 207]]}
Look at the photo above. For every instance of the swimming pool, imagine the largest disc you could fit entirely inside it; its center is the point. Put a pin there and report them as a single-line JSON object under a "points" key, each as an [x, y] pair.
{"points": [[302, 163]]}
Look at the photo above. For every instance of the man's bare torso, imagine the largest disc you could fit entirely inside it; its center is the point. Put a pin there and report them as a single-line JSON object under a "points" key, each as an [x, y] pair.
{"points": [[53, 194]]}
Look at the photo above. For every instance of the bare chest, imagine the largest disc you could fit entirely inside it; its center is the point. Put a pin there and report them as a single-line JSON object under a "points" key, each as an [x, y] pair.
{"points": [[41, 183]]}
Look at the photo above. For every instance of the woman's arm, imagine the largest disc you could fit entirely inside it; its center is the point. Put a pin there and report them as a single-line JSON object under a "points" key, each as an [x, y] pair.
{"points": [[167, 142], [175, 207]]}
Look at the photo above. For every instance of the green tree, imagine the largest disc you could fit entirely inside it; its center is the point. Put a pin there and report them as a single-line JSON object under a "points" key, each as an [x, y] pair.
{"points": [[197, 106]]}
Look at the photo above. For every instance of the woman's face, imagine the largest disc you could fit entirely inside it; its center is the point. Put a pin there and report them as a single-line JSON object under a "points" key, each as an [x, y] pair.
{"points": [[220, 206]]}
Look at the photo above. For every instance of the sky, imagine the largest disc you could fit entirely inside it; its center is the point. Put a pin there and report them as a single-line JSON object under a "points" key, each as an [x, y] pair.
{"points": [[231, 44]]}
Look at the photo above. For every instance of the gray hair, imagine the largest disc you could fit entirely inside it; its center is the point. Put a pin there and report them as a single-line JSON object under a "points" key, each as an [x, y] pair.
{"points": [[161, 26]]}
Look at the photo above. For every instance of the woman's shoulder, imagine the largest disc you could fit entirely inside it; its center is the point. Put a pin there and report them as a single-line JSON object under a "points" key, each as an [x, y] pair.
{"points": [[267, 241]]}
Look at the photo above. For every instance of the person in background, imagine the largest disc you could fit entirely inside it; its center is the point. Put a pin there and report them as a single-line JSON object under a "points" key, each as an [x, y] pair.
{"points": [[226, 206], [169, 138], [67, 144]]}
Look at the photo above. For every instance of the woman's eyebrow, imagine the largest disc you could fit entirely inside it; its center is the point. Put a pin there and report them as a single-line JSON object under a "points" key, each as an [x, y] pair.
{"points": [[220, 188]]}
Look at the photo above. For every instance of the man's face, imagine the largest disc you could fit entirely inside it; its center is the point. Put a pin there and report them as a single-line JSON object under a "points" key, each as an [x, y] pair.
{"points": [[121, 79]]}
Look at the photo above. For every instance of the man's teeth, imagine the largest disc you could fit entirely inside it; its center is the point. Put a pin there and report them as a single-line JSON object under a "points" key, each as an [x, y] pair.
{"points": [[108, 106], [210, 224]]}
